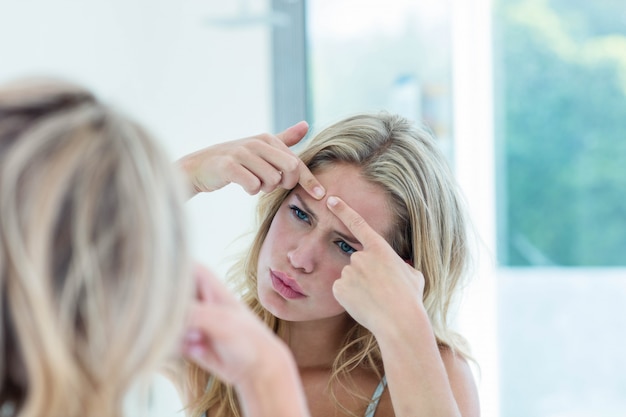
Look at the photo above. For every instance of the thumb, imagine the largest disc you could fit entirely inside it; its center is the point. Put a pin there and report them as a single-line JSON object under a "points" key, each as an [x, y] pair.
{"points": [[294, 134]]}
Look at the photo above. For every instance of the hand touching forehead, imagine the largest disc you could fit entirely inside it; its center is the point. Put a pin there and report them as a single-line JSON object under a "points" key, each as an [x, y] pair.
{"points": [[369, 200]]}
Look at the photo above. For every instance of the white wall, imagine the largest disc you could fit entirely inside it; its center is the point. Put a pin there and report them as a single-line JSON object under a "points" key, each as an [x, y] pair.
{"points": [[189, 82]]}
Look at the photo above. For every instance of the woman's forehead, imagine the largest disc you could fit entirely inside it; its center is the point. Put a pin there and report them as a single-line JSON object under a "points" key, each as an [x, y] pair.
{"points": [[370, 200]]}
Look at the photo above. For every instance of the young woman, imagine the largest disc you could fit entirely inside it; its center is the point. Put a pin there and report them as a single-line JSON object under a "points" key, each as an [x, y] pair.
{"points": [[360, 254], [95, 277]]}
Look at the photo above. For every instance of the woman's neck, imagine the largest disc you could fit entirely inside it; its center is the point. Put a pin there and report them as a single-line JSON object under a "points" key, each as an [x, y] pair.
{"points": [[315, 344]]}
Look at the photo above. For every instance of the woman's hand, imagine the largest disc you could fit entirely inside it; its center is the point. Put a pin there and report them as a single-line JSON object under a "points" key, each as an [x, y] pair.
{"points": [[258, 163], [224, 336], [226, 339], [384, 293], [377, 284]]}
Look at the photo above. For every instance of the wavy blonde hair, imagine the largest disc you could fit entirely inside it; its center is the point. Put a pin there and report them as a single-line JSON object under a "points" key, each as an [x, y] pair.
{"points": [[94, 270], [430, 230]]}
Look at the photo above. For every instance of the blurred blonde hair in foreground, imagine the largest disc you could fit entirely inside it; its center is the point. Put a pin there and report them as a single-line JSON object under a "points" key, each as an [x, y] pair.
{"points": [[94, 268]]}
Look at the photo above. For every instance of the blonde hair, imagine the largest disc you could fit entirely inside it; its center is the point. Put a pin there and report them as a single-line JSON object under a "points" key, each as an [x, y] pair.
{"points": [[94, 269], [430, 231]]}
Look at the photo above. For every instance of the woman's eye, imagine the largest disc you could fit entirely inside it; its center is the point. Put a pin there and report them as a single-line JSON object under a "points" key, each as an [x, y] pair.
{"points": [[299, 213], [345, 247]]}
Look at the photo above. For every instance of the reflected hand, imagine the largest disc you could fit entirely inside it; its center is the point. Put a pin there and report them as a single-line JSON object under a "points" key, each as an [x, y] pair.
{"points": [[377, 284], [258, 163]]}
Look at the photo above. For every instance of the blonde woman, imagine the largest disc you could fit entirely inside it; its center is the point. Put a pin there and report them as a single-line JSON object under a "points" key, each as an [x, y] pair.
{"points": [[95, 277], [356, 268]]}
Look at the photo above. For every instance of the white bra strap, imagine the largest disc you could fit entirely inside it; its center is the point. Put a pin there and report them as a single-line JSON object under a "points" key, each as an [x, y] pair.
{"points": [[371, 408]]}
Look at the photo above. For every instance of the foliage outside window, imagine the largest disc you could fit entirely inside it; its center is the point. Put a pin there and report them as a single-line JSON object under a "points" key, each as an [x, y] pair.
{"points": [[561, 78]]}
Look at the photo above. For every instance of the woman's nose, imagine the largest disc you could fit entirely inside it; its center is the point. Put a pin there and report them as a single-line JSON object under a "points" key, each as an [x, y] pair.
{"points": [[303, 256]]}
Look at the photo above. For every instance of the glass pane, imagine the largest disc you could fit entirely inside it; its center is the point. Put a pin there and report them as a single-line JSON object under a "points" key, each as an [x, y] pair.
{"points": [[561, 100], [367, 55], [561, 129]]}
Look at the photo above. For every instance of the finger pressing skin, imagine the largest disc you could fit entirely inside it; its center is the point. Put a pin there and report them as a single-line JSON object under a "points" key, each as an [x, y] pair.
{"points": [[353, 221], [306, 179], [309, 183]]}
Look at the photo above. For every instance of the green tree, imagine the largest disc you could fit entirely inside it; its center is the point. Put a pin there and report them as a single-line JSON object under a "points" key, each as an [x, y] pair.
{"points": [[562, 83]]}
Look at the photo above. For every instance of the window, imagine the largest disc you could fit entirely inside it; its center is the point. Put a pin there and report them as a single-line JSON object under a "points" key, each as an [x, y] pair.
{"points": [[560, 95], [394, 55], [561, 84]]}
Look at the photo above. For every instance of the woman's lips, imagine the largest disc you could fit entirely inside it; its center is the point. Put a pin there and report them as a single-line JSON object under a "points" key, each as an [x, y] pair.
{"points": [[285, 285]]}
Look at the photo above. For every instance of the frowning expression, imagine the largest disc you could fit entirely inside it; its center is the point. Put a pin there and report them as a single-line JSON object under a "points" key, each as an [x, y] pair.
{"points": [[307, 246]]}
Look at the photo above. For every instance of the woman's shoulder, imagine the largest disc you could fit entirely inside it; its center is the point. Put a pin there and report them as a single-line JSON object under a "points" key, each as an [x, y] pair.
{"points": [[461, 380]]}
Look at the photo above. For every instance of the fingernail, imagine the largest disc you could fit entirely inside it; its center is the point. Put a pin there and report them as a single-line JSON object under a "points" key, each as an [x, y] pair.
{"points": [[319, 192], [332, 201]]}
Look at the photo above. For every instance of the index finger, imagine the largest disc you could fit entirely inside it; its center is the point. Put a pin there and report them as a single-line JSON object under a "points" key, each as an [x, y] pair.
{"points": [[308, 181], [353, 221]]}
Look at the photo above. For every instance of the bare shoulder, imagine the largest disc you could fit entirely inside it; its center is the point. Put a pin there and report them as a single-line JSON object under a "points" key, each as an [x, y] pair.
{"points": [[462, 382]]}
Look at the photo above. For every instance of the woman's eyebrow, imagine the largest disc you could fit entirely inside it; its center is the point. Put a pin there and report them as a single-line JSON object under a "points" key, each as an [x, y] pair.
{"points": [[349, 238], [305, 207]]}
